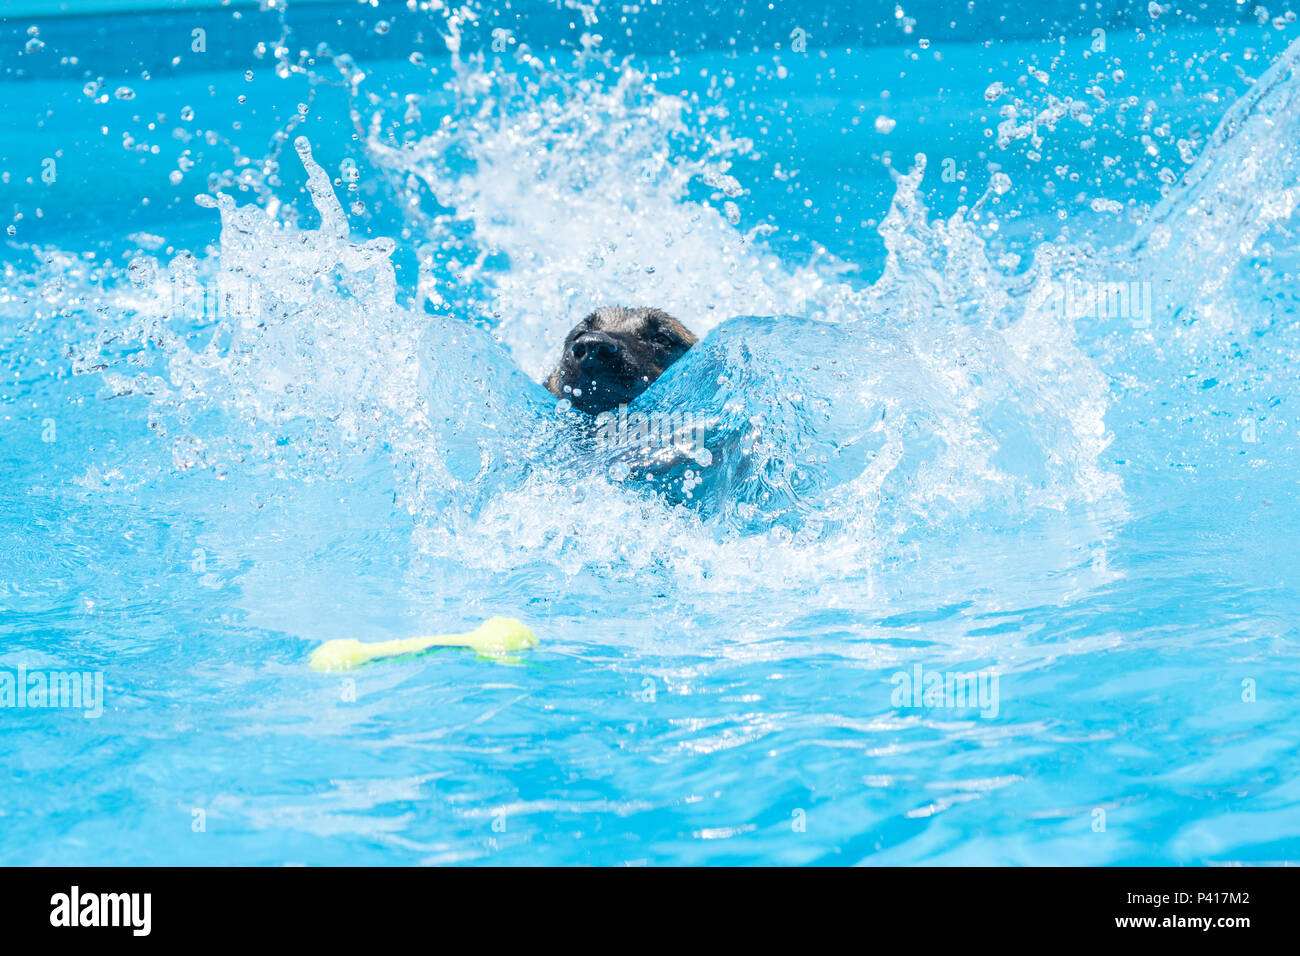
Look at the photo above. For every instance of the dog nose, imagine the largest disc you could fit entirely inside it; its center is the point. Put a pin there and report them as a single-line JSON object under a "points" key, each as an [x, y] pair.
{"points": [[594, 347]]}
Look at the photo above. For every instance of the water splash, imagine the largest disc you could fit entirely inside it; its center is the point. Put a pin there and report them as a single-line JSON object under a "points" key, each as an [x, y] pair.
{"points": [[861, 416], [874, 415], [1245, 182]]}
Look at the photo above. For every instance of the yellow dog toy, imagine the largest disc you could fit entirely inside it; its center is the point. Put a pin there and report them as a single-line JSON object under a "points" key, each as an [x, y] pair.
{"points": [[495, 638]]}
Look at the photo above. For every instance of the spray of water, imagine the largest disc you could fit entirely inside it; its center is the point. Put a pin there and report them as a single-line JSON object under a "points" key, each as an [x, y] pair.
{"points": [[847, 420]]}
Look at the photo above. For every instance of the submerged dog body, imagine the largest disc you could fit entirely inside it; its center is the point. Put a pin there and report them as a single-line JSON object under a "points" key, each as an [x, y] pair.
{"points": [[613, 355]]}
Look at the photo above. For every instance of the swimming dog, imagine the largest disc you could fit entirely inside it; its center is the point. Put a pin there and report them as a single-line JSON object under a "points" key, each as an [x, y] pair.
{"points": [[614, 354]]}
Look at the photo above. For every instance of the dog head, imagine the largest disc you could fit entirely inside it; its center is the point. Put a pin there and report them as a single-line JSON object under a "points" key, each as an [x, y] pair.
{"points": [[613, 355]]}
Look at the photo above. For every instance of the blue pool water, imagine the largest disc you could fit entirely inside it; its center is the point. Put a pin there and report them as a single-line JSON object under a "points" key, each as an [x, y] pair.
{"points": [[237, 427]]}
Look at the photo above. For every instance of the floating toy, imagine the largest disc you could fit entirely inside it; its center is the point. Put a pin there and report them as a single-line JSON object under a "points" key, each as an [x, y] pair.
{"points": [[495, 639]]}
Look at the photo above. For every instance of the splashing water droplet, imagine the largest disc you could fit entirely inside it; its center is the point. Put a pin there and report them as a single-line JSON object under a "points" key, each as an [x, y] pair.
{"points": [[142, 271]]}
